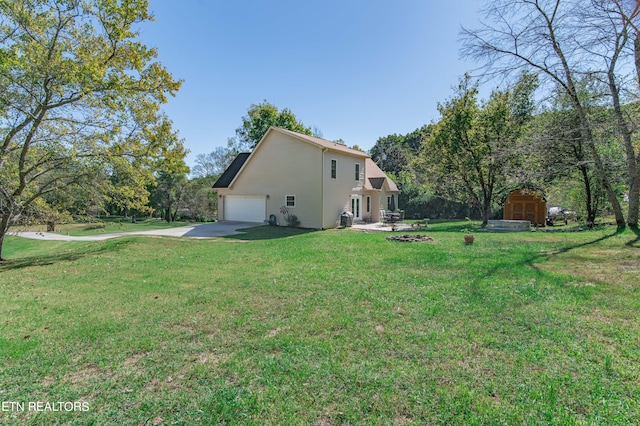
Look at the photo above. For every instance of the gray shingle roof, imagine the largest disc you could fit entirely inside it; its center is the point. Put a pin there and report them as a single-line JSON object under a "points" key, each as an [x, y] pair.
{"points": [[324, 143], [227, 177]]}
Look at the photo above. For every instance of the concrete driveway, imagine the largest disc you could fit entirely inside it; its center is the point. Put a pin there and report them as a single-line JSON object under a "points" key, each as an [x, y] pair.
{"points": [[207, 230]]}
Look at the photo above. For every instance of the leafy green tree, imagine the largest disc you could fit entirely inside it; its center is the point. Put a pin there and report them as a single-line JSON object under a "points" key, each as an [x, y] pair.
{"points": [[46, 213], [78, 92], [415, 139], [398, 155], [133, 181], [470, 148], [167, 196], [393, 159], [199, 198], [170, 181], [563, 157], [390, 153], [258, 120], [127, 188]]}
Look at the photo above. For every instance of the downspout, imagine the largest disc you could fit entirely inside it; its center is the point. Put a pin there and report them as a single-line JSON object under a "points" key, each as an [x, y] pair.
{"points": [[322, 191]]}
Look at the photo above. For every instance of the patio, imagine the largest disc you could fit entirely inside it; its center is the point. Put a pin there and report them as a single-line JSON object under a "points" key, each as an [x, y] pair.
{"points": [[385, 227]]}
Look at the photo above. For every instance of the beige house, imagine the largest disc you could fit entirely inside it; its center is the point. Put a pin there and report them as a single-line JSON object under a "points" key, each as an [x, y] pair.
{"points": [[315, 179]]}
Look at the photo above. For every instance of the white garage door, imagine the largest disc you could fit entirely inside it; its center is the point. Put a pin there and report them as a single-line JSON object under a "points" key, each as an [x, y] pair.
{"points": [[244, 208]]}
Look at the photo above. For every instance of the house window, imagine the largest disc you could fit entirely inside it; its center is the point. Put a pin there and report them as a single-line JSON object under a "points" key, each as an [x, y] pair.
{"points": [[334, 168], [368, 204], [357, 171], [290, 201]]}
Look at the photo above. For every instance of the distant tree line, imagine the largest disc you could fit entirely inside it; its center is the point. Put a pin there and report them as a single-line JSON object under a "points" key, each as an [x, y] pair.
{"points": [[468, 161], [567, 122]]}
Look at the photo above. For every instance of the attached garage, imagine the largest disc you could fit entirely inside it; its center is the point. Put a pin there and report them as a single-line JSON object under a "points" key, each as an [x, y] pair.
{"points": [[245, 208]]}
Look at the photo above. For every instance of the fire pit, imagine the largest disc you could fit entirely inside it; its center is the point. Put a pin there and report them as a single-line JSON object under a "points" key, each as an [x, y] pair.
{"points": [[411, 238]]}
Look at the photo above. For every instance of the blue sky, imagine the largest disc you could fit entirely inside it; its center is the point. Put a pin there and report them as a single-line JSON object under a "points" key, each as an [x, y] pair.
{"points": [[355, 69]]}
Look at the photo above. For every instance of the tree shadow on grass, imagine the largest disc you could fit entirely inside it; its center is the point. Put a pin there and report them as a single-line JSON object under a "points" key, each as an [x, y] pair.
{"points": [[25, 262], [267, 233], [636, 241], [587, 243], [53, 258], [530, 261]]}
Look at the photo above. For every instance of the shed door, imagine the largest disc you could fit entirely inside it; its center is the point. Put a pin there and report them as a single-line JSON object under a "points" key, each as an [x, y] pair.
{"points": [[530, 212], [245, 208], [518, 211]]}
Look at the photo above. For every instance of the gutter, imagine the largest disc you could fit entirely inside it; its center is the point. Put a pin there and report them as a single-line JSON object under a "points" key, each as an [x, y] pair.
{"points": [[322, 190]]}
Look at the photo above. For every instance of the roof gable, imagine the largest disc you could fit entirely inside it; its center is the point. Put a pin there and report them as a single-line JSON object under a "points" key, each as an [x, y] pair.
{"points": [[376, 178], [230, 173], [334, 146]]}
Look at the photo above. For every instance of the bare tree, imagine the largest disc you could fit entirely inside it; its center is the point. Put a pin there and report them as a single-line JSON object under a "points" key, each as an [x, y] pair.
{"points": [[563, 41], [618, 47], [214, 163]]}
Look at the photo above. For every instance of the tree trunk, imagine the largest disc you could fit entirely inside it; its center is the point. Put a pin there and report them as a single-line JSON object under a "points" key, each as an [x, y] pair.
{"points": [[634, 198], [2, 234], [4, 228], [585, 126], [632, 166], [485, 210], [485, 218], [636, 55], [634, 184], [602, 173], [591, 209]]}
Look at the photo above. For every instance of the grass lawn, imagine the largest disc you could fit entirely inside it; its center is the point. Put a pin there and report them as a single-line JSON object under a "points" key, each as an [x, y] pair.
{"points": [[280, 326], [108, 225]]}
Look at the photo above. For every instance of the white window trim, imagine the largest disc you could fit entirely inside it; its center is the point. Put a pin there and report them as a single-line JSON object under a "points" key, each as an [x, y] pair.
{"points": [[331, 170], [286, 201], [357, 170]]}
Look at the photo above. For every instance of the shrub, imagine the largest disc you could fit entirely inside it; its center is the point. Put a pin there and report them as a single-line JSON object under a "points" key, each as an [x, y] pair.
{"points": [[292, 220]]}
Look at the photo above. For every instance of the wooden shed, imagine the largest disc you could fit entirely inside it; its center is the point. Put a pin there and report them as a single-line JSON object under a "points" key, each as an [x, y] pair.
{"points": [[526, 204]]}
